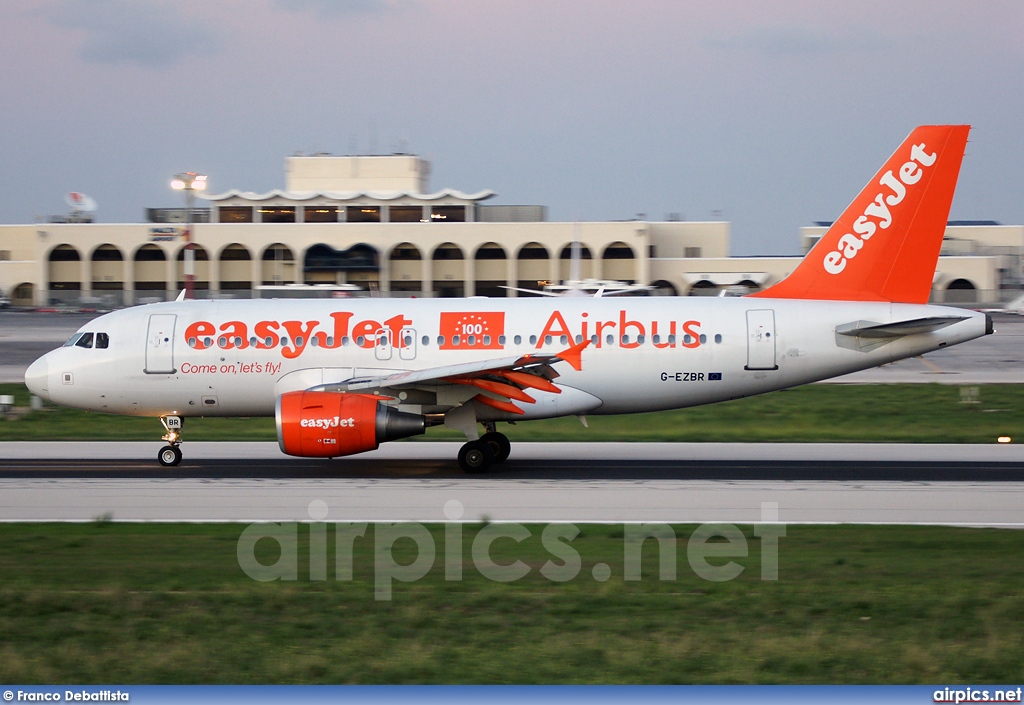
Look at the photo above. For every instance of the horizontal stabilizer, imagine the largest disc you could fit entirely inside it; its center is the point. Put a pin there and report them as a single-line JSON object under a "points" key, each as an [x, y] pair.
{"points": [[866, 329]]}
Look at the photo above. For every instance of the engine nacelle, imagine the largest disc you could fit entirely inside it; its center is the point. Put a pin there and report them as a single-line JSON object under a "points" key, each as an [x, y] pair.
{"points": [[329, 424]]}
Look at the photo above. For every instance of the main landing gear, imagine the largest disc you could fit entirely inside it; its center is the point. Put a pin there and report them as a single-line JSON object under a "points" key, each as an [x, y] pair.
{"points": [[170, 455], [491, 448]]}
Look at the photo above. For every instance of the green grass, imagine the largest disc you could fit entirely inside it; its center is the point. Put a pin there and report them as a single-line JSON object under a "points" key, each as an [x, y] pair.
{"points": [[150, 603], [918, 413]]}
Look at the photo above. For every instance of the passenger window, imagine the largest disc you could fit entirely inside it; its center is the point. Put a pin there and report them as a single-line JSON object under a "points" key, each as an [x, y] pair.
{"points": [[102, 340], [85, 341]]}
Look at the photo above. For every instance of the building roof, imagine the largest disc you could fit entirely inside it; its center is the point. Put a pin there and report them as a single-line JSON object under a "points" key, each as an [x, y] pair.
{"points": [[350, 195]]}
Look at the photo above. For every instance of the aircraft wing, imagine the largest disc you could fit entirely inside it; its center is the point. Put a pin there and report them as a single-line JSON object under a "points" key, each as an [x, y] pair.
{"points": [[498, 382]]}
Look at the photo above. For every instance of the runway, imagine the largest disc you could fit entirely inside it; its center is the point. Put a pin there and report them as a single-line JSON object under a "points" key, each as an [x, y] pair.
{"points": [[976, 485]]}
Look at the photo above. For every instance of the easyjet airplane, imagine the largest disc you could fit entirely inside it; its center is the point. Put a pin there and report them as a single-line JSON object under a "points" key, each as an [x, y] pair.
{"points": [[341, 377]]}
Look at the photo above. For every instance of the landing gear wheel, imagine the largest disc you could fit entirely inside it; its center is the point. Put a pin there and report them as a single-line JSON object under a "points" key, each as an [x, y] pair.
{"points": [[500, 445], [169, 456], [476, 457]]}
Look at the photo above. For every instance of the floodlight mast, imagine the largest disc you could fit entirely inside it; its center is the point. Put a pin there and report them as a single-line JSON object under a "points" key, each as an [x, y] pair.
{"points": [[189, 182]]}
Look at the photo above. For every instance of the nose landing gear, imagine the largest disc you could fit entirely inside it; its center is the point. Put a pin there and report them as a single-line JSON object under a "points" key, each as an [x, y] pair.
{"points": [[170, 455]]}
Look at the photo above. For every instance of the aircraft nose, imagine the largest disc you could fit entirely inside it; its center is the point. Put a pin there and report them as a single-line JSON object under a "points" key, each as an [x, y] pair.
{"points": [[36, 378]]}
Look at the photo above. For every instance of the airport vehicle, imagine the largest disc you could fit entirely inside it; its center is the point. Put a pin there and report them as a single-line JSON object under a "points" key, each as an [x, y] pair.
{"points": [[343, 376]]}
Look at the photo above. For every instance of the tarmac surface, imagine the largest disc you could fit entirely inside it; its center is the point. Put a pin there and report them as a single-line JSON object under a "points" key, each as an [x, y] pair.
{"points": [[963, 485]]}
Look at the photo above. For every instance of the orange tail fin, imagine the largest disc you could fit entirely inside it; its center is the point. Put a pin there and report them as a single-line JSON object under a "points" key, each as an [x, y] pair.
{"points": [[885, 245]]}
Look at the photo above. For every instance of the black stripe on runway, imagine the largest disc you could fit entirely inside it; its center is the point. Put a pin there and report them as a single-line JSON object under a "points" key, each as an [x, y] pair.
{"points": [[554, 469]]}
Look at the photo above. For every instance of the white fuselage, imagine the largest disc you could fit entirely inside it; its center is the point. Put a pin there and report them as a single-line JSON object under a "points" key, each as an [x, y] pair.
{"points": [[234, 358]]}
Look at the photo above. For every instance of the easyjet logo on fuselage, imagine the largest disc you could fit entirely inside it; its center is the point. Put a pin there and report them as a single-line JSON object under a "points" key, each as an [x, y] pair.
{"points": [[878, 214], [296, 335]]}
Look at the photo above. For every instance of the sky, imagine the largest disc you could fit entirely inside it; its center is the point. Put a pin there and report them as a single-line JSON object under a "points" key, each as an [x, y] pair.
{"points": [[768, 115]]}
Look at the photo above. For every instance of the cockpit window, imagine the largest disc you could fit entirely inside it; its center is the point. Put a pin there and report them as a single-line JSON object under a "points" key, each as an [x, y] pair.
{"points": [[86, 340]]}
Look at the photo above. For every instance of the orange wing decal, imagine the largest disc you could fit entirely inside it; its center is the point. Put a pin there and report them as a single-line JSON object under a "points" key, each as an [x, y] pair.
{"points": [[574, 355], [529, 381], [503, 387]]}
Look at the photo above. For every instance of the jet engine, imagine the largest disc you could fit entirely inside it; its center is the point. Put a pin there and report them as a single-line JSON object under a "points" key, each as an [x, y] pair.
{"points": [[329, 424]]}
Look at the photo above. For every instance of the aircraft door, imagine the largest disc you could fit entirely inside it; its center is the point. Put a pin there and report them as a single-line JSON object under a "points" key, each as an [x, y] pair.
{"points": [[382, 344], [160, 344], [407, 349], [761, 340]]}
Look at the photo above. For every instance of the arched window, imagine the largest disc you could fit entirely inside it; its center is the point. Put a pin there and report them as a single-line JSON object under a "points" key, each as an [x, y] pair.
{"points": [[704, 288], [491, 270], [447, 250], [278, 264], [533, 263]]}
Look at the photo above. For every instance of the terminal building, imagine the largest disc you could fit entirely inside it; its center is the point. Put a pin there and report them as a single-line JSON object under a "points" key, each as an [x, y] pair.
{"points": [[371, 225]]}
